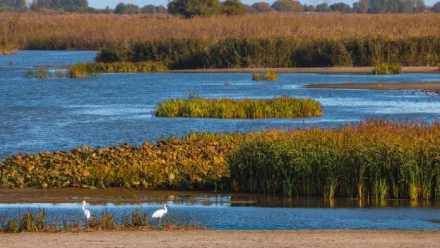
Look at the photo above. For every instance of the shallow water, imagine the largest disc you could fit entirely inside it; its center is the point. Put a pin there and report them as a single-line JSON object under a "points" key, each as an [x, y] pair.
{"points": [[51, 114], [226, 212]]}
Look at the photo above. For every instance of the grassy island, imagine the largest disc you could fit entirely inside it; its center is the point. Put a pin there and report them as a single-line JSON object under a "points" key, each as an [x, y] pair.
{"points": [[282, 107]]}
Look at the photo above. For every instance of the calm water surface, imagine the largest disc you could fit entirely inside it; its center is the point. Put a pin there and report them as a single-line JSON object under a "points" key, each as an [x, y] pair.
{"points": [[227, 212], [38, 115]]}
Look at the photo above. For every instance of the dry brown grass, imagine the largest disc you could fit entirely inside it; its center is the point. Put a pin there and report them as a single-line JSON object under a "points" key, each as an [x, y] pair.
{"points": [[76, 31]]}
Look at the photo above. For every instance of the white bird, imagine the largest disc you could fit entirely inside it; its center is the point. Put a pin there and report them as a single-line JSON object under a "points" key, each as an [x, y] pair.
{"points": [[161, 212], [86, 211]]}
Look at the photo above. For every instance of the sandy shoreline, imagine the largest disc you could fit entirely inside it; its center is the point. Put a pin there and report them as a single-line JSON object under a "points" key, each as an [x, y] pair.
{"points": [[209, 238], [321, 70], [431, 86]]}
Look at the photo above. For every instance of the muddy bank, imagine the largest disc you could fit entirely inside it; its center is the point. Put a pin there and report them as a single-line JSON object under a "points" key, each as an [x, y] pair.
{"points": [[432, 86], [207, 238], [321, 70]]}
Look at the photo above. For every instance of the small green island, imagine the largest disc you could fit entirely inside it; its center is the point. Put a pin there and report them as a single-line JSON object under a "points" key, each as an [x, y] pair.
{"points": [[226, 108]]}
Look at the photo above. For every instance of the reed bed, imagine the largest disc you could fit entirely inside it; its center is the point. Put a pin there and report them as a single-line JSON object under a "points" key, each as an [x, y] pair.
{"points": [[387, 69], [265, 76], [266, 40], [282, 107], [105, 221], [281, 52], [374, 159], [92, 31]]}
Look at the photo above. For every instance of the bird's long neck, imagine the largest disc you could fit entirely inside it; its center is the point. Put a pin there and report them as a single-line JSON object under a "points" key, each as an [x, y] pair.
{"points": [[84, 205], [165, 206]]}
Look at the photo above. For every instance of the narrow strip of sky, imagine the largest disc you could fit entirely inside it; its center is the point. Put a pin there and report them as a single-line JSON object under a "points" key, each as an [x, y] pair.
{"points": [[112, 3]]}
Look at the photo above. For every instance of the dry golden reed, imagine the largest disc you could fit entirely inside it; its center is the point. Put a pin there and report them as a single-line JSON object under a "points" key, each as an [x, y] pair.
{"points": [[76, 31]]}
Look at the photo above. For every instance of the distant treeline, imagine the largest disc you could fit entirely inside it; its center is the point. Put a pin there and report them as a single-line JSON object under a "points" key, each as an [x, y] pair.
{"points": [[189, 8]]}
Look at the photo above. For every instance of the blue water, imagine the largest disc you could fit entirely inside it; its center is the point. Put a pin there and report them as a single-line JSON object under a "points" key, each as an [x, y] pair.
{"points": [[230, 216], [51, 114]]}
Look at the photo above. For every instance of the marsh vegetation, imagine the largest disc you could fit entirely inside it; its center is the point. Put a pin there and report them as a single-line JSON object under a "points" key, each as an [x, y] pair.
{"points": [[236, 41], [282, 107], [387, 69], [30, 221], [373, 159], [265, 76], [92, 70]]}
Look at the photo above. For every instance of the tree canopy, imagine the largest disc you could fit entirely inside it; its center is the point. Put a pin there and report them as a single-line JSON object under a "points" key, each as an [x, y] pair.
{"points": [[341, 7], [233, 7], [262, 7], [436, 8], [287, 6]]}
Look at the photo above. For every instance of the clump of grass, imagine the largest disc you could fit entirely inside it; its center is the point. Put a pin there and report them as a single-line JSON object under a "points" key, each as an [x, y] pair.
{"points": [[387, 69], [378, 87], [282, 107], [83, 69], [7, 47], [92, 70], [265, 76]]}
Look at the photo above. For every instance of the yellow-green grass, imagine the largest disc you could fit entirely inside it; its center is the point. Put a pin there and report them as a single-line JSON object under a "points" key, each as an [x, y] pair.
{"points": [[387, 69], [82, 70], [225, 108], [105, 221], [373, 159], [265, 76]]}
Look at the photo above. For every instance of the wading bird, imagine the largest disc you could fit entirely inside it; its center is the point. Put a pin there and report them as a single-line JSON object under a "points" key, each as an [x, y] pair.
{"points": [[161, 212], [86, 212]]}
